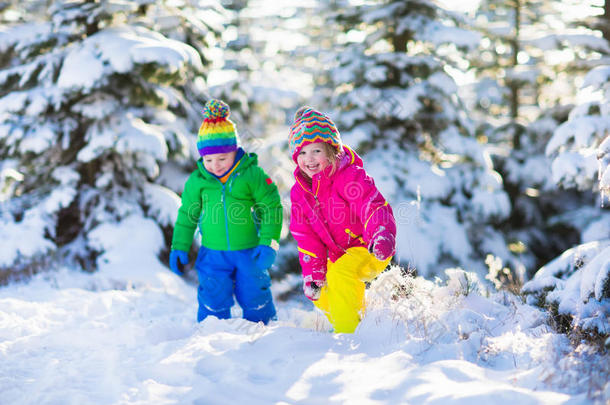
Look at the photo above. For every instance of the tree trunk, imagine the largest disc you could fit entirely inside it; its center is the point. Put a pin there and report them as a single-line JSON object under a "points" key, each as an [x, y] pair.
{"points": [[514, 84], [605, 25], [514, 88], [399, 42]]}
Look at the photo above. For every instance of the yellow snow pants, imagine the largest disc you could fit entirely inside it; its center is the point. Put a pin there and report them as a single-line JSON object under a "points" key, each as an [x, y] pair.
{"points": [[342, 298]]}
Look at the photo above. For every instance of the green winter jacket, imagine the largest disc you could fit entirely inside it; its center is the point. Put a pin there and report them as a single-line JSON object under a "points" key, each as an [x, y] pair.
{"points": [[242, 213]]}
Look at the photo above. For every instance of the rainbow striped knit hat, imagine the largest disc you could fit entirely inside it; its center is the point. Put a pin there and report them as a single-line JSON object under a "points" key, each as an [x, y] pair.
{"points": [[311, 126], [217, 132]]}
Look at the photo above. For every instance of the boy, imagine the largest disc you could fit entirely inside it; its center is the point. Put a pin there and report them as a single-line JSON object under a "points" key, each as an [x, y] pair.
{"points": [[239, 212]]}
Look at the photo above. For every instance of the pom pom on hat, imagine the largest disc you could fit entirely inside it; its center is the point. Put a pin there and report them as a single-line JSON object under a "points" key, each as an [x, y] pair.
{"points": [[311, 126], [217, 132]]}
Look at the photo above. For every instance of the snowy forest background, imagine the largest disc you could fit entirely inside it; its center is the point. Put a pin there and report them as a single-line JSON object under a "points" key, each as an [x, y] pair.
{"points": [[485, 124]]}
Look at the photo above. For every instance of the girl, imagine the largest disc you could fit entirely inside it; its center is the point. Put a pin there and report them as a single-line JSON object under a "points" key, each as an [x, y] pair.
{"points": [[344, 228]]}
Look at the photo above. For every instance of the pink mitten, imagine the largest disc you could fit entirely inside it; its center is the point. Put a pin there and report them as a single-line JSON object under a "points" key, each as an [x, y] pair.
{"points": [[313, 288], [383, 244]]}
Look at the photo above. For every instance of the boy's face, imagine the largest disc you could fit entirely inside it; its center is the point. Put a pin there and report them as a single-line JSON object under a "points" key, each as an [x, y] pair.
{"points": [[312, 158], [219, 163]]}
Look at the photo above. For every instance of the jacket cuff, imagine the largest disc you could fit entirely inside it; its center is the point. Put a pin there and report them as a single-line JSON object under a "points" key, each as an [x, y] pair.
{"points": [[272, 243], [179, 246]]}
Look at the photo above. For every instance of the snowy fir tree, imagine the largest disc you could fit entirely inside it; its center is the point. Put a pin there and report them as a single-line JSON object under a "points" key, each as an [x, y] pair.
{"points": [[537, 226], [528, 66], [531, 57], [398, 107], [577, 283], [92, 103]]}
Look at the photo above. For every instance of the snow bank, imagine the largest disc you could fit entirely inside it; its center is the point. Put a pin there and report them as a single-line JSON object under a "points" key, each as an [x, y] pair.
{"points": [[578, 284], [71, 337]]}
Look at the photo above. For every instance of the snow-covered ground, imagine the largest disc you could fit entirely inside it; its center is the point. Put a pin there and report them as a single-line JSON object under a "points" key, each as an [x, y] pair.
{"points": [[68, 337]]}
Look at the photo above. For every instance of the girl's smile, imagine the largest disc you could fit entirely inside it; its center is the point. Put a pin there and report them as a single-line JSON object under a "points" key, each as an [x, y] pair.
{"points": [[312, 159]]}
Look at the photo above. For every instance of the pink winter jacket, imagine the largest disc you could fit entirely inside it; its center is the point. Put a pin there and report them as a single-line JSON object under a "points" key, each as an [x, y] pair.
{"points": [[336, 212]]}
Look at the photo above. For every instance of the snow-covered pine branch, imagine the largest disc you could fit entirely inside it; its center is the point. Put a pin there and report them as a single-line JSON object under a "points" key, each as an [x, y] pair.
{"points": [[96, 92]]}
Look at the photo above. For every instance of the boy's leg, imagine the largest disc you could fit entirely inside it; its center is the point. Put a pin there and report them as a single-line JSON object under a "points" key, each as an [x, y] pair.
{"points": [[342, 299], [252, 288], [215, 291]]}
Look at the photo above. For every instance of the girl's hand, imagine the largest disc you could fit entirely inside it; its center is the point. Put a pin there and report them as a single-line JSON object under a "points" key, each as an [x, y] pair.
{"points": [[383, 244], [312, 289]]}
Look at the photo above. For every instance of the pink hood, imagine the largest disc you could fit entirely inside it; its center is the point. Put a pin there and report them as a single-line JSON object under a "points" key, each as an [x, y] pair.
{"points": [[338, 211]]}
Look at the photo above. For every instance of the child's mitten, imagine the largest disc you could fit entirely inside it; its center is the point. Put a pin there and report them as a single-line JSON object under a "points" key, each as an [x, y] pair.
{"points": [[176, 256], [263, 256], [383, 244], [312, 288]]}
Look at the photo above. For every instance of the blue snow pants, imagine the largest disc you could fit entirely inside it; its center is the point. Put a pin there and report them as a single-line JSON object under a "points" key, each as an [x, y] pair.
{"points": [[224, 273]]}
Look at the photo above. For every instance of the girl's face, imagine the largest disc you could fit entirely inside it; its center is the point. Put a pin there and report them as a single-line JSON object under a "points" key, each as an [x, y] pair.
{"points": [[313, 158], [218, 163]]}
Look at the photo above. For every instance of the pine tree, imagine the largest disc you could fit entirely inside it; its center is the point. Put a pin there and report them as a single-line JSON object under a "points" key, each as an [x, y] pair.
{"points": [[528, 66], [397, 106], [576, 284], [92, 103], [530, 58], [579, 152]]}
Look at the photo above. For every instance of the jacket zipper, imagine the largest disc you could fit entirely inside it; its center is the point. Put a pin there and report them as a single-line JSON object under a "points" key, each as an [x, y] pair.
{"points": [[223, 199], [224, 206]]}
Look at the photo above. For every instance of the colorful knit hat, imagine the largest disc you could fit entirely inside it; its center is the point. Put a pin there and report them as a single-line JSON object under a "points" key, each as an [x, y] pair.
{"points": [[217, 132], [312, 126]]}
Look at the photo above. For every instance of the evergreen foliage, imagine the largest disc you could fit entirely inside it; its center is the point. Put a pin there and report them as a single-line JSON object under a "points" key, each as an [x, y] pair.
{"points": [[528, 66], [92, 102], [576, 285]]}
